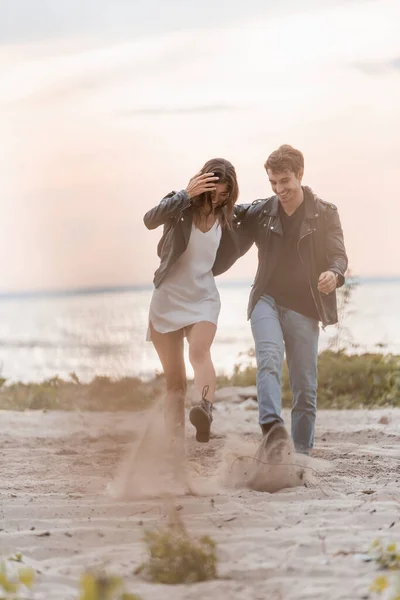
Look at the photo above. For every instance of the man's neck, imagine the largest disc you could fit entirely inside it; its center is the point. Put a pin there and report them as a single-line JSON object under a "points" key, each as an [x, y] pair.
{"points": [[291, 207]]}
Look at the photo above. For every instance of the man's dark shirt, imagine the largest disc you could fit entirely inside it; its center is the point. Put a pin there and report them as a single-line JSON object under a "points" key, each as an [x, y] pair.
{"points": [[289, 285]]}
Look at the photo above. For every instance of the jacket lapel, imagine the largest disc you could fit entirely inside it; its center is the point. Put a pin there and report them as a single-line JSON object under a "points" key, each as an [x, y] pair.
{"points": [[311, 213], [273, 222]]}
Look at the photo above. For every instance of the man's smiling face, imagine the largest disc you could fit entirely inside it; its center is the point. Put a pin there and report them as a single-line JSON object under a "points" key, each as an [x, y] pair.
{"points": [[285, 184]]}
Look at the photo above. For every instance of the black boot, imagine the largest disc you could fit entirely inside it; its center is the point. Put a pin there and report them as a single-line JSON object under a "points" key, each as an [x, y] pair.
{"points": [[201, 417]]}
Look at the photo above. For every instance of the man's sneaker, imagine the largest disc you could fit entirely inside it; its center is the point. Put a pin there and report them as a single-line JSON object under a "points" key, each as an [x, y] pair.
{"points": [[273, 443], [273, 469], [201, 417], [266, 427]]}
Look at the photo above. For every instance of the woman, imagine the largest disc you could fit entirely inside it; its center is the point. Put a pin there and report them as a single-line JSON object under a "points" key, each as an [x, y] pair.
{"points": [[198, 242]]}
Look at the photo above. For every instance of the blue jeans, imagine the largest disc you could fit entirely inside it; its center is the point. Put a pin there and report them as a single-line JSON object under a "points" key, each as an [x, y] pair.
{"points": [[276, 329]]}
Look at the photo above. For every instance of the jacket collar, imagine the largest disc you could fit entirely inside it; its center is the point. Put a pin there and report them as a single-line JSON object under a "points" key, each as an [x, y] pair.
{"points": [[311, 208]]}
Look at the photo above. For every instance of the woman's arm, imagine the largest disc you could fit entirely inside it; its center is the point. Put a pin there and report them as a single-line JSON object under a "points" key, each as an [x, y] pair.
{"points": [[244, 220], [174, 202]]}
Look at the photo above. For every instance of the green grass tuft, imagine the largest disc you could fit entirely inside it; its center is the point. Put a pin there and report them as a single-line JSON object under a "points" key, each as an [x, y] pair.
{"points": [[345, 381], [101, 394]]}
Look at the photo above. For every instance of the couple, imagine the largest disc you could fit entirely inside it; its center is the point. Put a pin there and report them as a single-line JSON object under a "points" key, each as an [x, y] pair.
{"points": [[301, 262]]}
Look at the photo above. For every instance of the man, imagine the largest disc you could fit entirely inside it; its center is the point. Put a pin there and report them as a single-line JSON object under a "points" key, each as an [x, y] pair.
{"points": [[302, 260]]}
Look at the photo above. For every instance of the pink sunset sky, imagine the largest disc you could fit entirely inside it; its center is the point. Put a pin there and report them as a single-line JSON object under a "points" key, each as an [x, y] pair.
{"points": [[104, 109]]}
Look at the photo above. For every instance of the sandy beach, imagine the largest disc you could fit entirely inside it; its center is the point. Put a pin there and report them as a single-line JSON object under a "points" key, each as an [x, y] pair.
{"points": [[301, 543]]}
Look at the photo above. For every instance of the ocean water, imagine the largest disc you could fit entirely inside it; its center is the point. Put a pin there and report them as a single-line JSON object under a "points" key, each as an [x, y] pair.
{"points": [[104, 334]]}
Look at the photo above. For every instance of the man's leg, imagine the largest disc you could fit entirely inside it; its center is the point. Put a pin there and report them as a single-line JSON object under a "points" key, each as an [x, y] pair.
{"points": [[268, 338], [301, 342]]}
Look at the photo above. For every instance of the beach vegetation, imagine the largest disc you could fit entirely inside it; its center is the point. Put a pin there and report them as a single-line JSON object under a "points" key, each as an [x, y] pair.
{"points": [[369, 380], [387, 558], [174, 556]]}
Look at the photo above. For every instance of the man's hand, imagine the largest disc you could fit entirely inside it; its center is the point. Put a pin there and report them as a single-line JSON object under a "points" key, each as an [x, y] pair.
{"points": [[327, 282], [201, 183]]}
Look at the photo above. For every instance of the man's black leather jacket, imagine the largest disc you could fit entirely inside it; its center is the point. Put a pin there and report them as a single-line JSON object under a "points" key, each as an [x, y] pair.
{"points": [[320, 247]]}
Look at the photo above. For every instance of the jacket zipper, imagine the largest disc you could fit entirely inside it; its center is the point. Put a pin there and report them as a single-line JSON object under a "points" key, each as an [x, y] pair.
{"points": [[308, 277]]}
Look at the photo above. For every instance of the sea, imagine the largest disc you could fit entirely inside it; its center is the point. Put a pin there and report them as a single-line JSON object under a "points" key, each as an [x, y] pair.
{"points": [[102, 333]]}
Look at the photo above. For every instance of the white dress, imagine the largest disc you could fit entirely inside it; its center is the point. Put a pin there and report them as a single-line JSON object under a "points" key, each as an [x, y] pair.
{"points": [[188, 293]]}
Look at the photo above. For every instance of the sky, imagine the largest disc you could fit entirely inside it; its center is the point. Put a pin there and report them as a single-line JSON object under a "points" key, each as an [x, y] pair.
{"points": [[105, 107]]}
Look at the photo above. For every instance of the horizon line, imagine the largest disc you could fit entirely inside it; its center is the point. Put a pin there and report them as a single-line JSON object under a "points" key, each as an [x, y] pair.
{"points": [[109, 289]]}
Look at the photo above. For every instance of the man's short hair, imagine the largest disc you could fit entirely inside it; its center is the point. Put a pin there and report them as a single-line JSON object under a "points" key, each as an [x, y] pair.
{"points": [[286, 158]]}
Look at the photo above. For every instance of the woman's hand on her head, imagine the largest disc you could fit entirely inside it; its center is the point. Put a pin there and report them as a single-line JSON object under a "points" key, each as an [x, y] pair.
{"points": [[201, 183]]}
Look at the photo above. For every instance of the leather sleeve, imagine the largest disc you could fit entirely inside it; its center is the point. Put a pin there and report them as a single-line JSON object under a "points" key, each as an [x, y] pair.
{"points": [[170, 206], [335, 249], [244, 219]]}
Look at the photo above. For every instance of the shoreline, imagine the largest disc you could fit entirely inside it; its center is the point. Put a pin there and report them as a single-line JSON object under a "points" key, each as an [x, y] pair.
{"points": [[140, 287]]}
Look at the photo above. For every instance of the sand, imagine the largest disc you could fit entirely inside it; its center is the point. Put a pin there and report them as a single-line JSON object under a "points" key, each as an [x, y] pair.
{"points": [[299, 543]]}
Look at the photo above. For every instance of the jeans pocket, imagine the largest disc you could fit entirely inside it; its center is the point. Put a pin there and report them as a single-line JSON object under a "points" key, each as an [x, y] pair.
{"points": [[264, 309]]}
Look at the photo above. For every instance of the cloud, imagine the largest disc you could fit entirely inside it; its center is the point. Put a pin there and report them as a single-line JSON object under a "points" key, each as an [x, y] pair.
{"points": [[177, 110], [33, 20], [395, 63], [209, 64], [55, 76], [373, 68]]}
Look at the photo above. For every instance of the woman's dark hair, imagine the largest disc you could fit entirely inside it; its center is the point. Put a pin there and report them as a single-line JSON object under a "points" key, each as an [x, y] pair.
{"points": [[226, 172]]}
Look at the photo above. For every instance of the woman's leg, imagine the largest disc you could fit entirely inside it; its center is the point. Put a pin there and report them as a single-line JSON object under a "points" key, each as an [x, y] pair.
{"points": [[200, 337], [169, 347]]}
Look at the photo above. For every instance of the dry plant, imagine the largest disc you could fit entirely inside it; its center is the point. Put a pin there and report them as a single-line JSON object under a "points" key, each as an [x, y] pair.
{"points": [[387, 557], [16, 582], [175, 557], [97, 586]]}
